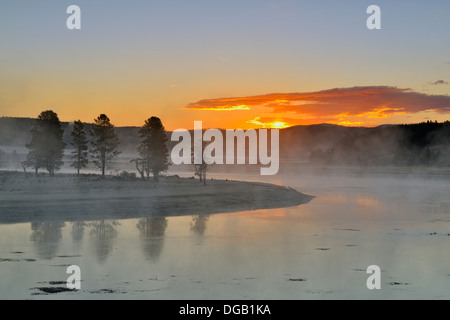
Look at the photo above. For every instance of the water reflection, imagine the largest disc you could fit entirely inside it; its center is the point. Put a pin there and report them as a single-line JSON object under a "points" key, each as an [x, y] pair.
{"points": [[152, 236], [407, 225], [103, 232], [368, 201], [78, 231], [198, 224], [46, 237]]}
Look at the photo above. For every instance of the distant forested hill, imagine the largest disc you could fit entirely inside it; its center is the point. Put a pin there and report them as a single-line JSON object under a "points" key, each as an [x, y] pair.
{"points": [[15, 131], [404, 145]]}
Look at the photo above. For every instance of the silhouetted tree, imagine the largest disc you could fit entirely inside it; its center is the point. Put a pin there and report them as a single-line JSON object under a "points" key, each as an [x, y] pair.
{"points": [[32, 161], [80, 143], [104, 142], [200, 169], [153, 152], [46, 146], [139, 166]]}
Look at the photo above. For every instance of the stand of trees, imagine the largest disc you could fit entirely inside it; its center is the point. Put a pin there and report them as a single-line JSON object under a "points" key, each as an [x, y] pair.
{"points": [[421, 144], [99, 145]]}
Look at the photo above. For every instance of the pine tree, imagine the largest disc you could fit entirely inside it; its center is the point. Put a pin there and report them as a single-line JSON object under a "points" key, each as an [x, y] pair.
{"points": [[46, 146], [104, 142], [80, 144], [153, 148]]}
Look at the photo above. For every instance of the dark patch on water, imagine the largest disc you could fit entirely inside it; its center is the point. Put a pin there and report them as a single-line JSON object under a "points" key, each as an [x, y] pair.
{"points": [[51, 290], [394, 283], [296, 279], [57, 282], [16, 260], [69, 256], [100, 291], [9, 260], [319, 291]]}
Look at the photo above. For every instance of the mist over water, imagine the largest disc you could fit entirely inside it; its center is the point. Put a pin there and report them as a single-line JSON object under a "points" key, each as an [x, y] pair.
{"points": [[397, 219]]}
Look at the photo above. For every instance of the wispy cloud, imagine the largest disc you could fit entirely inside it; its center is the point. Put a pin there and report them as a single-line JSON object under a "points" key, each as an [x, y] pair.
{"points": [[223, 107], [438, 82]]}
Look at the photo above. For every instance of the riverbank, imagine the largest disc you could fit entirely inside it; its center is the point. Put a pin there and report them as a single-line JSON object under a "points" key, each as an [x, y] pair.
{"points": [[84, 198]]}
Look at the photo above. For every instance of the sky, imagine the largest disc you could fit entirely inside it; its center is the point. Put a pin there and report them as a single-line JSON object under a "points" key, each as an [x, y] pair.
{"points": [[231, 64]]}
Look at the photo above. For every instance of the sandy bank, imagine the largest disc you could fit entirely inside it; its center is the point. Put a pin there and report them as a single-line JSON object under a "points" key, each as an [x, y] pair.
{"points": [[71, 198]]}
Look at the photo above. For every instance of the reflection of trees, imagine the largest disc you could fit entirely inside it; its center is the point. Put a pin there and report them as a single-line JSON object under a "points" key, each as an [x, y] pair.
{"points": [[198, 224], [152, 233], [103, 233], [46, 237], [78, 230]]}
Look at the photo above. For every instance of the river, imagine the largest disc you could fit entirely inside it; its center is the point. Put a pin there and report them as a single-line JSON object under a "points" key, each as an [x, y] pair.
{"points": [[398, 220]]}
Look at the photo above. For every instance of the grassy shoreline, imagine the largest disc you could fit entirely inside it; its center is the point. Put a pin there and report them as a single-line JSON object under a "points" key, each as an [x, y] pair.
{"points": [[68, 197]]}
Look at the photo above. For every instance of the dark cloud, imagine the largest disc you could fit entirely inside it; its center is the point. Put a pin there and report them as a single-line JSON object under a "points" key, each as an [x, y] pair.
{"points": [[435, 83]]}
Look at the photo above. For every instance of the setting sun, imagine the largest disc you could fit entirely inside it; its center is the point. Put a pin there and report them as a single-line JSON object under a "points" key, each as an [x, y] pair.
{"points": [[278, 125], [269, 123]]}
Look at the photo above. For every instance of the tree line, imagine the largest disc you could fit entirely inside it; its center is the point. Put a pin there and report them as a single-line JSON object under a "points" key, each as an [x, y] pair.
{"points": [[99, 145], [419, 144]]}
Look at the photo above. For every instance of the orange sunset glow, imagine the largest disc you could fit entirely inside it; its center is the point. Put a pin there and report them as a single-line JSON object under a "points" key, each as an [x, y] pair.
{"points": [[353, 106], [186, 63]]}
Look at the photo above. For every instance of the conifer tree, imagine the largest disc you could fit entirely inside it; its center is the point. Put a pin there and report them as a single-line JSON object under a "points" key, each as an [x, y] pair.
{"points": [[153, 152], [80, 144], [104, 142], [46, 146]]}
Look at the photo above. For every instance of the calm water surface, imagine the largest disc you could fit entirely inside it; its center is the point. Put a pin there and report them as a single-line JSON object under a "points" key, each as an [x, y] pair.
{"points": [[320, 250]]}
